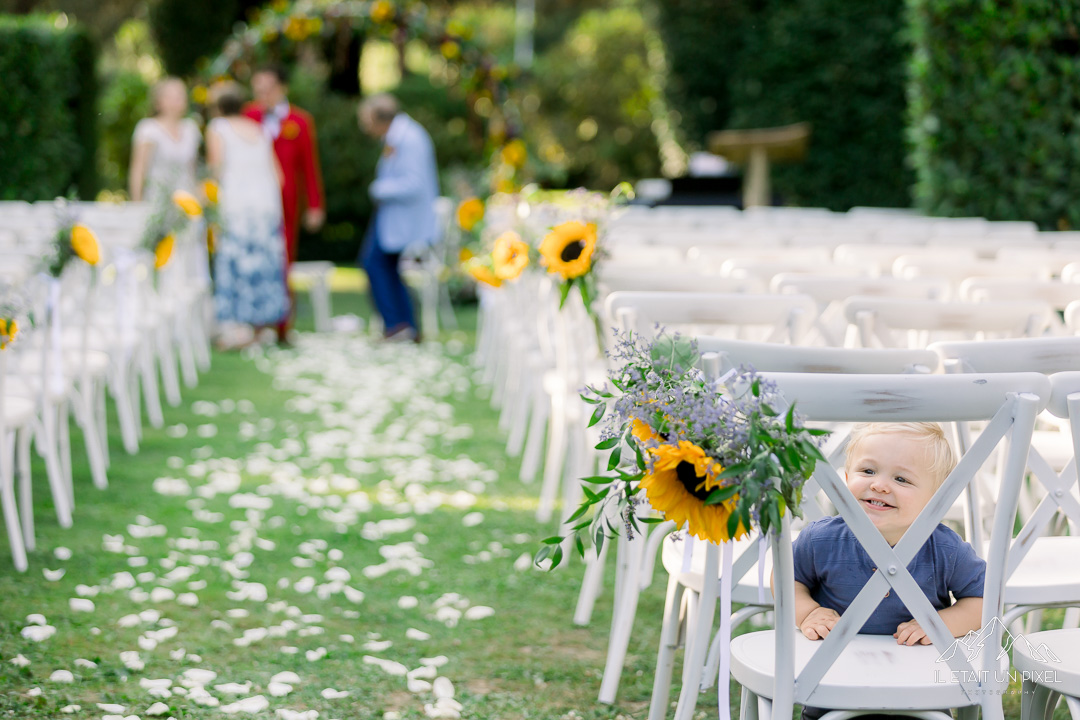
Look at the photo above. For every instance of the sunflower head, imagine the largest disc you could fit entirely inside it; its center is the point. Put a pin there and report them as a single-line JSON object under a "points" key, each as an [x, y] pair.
{"points": [[643, 432], [680, 478], [515, 154], [469, 213], [85, 244], [8, 330], [187, 202], [510, 255], [568, 249], [210, 190], [163, 251], [482, 272]]}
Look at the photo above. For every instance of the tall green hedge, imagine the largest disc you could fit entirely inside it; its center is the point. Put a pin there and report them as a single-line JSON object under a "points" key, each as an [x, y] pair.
{"points": [[839, 65], [995, 109], [48, 125]]}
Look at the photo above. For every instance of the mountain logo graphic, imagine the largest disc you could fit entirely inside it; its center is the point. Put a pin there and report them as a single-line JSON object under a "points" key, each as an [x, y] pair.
{"points": [[972, 644]]}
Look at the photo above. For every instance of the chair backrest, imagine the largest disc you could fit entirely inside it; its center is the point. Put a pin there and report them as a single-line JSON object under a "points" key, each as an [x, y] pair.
{"points": [[835, 288], [613, 277], [876, 318], [1054, 293], [774, 357], [782, 317], [1009, 402], [1042, 355]]}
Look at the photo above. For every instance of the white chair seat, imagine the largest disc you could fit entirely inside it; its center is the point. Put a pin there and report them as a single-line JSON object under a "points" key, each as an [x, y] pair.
{"points": [[1044, 576], [17, 411], [745, 590], [873, 667], [1065, 644]]}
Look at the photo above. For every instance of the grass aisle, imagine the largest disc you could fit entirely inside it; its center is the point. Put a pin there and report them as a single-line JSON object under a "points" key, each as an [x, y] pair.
{"points": [[343, 512]]}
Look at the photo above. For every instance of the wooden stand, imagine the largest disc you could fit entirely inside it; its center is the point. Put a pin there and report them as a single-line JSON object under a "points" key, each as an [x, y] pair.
{"points": [[755, 149]]}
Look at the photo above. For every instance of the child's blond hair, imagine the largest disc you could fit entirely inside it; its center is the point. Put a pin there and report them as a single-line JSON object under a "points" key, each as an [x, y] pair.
{"points": [[939, 450]]}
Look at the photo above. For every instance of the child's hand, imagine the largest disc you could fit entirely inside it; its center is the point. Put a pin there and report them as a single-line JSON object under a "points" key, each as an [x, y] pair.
{"points": [[910, 633], [818, 623]]}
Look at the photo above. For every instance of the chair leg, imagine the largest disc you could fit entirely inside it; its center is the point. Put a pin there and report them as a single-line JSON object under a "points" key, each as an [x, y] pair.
{"points": [[63, 425], [183, 336], [1072, 618], [748, 706], [200, 336], [7, 500], [170, 379], [669, 644], [1038, 701], [151, 394], [519, 421], [126, 410], [553, 464], [591, 583], [697, 644], [101, 411], [92, 433], [627, 592], [47, 447], [530, 458], [26, 491]]}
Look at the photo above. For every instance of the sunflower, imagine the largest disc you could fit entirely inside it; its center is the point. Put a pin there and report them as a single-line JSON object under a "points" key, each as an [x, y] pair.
{"points": [[515, 154], [469, 213], [163, 251], [643, 432], [85, 244], [8, 330], [210, 190], [680, 479], [482, 272], [187, 202], [510, 255], [568, 249], [382, 11]]}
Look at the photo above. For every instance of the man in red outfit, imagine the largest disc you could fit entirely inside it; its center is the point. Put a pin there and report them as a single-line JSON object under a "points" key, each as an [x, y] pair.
{"points": [[293, 133]]}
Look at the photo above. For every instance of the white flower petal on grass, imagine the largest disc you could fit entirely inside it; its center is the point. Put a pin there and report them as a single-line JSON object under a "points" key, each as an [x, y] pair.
{"points": [[137, 561], [200, 696], [155, 683], [472, 519], [150, 616], [378, 645], [353, 595], [287, 714], [19, 661], [234, 688], [87, 590], [62, 676], [34, 692], [129, 621], [81, 605], [418, 686], [187, 599], [147, 643], [111, 707], [390, 667], [123, 581], [279, 689], [158, 708], [407, 602], [193, 677], [346, 638], [424, 672], [131, 660], [290, 649], [69, 709], [317, 654], [414, 634], [437, 661], [36, 619], [84, 663], [479, 612], [237, 613], [53, 575], [332, 694], [162, 594], [38, 633], [442, 688], [286, 676], [254, 704], [524, 562]]}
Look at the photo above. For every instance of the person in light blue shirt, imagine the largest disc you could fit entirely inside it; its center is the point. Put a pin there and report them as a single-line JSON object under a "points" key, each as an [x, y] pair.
{"points": [[404, 191]]}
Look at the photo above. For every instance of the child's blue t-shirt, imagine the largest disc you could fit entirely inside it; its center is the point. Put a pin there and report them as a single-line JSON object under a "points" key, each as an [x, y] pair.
{"points": [[833, 565]]}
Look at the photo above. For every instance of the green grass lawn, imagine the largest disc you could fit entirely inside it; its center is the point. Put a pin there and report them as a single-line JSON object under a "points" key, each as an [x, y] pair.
{"points": [[407, 435]]}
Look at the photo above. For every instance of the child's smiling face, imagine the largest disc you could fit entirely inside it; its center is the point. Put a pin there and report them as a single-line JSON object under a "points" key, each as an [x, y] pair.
{"points": [[891, 475]]}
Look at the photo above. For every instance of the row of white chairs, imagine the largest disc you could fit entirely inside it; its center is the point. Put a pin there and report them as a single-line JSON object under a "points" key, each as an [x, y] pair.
{"points": [[121, 329]]}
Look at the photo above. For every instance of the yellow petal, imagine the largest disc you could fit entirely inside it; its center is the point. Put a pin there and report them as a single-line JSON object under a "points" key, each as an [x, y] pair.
{"points": [[210, 190], [85, 244], [187, 202], [163, 251]]}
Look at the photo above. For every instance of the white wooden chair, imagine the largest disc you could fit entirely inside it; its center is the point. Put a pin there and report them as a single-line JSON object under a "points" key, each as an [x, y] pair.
{"points": [[16, 428], [1049, 665], [685, 613], [878, 259], [884, 322], [864, 673], [1054, 293], [615, 277]]}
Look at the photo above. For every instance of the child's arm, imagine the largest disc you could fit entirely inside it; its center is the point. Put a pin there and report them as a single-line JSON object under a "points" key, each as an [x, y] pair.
{"points": [[814, 621], [961, 617]]}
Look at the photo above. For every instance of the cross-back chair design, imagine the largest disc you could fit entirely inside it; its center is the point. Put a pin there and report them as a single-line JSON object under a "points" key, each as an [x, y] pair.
{"points": [[863, 673], [1036, 576], [686, 612]]}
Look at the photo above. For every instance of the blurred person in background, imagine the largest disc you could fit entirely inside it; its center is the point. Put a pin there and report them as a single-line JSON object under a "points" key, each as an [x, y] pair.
{"points": [[404, 191], [249, 262], [292, 132], [165, 146]]}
